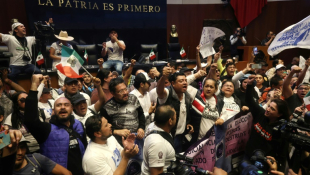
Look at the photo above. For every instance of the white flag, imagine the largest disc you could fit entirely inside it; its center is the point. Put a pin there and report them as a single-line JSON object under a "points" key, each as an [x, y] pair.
{"points": [[294, 36]]}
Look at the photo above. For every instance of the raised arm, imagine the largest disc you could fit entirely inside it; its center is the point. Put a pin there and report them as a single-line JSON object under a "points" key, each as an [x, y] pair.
{"points": [[198, 61], [104, 51], [287, 90], [9, 82], [161, 83], [303, 73], [212, 72], [240, 74], [129, 71], [253, 106], [101, 94], [40, 130]]}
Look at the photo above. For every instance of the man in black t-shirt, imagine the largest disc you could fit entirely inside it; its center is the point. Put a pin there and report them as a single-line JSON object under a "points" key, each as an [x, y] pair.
{"points": [[230, 69], [269, 38], [36, 163]]}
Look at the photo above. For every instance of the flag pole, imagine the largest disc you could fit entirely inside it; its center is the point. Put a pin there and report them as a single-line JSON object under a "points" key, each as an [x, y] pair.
{"points": [[87, 72]]}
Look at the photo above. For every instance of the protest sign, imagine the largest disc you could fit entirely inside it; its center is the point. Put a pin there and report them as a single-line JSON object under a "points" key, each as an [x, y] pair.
{"points": [[222, 144], [209, 34], [294, 36]]}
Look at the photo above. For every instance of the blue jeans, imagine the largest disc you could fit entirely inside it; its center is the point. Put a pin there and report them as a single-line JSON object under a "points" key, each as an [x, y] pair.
{"points": [[27, 69], [118, 65]]}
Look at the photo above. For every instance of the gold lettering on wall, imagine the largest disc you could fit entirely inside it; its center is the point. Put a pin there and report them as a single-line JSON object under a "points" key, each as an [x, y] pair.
{"points": [[89, 5], [68, 4], [157, 9], [138, 9], [49, 2], [144, 8], [126, 8], [95, 6], [105, 6], [119, 7], [83, 4], [131, 8], [111, 7], [39, 1], [61, 2], [76, 3], [151, 8]]}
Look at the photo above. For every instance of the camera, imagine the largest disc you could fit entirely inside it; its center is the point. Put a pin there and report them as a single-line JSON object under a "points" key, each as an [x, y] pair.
{"points": [[183, 166], [43, 31], [240, 32], [257, 164]]}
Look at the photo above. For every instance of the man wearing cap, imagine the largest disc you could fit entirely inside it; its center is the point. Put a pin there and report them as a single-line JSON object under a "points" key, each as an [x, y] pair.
{"points": [[71, 89], [114, 49], [80, 108], [270, 73], [20, 46], [280, 68], [296, 100], [63, 139], [123, 111], [127, 74], [46, 102], [142, 85], [35, 163], [55, 53]]}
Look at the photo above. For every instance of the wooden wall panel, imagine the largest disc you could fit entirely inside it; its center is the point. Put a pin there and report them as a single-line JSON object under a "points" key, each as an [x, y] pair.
{"points": [[275, 16]]}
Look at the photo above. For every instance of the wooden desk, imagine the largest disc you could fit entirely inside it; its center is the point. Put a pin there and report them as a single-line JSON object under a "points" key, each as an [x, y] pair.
{"points": [[247, 52]]}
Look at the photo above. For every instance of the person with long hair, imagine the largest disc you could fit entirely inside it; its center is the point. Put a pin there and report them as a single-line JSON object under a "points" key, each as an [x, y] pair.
{"points": [[16, 120], [262, 134]]}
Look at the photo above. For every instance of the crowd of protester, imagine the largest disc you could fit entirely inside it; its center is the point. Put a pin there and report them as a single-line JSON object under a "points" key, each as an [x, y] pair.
{"points": [[93, 125]]}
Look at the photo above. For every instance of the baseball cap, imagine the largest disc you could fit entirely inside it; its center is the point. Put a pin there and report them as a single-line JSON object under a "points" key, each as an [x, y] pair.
{"points": [[77, 98], [279, 66], [70, 80], [143, 78], [185, 69], [246, 76], [125, 66], [23, 140], [16, 25]]}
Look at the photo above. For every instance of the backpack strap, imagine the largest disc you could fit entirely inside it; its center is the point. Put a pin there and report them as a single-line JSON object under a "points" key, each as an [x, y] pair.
{"points": [[34, 162], [164, 135]]}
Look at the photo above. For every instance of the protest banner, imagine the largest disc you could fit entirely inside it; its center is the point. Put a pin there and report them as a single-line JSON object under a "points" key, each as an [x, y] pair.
{"points": [[294, 36], [209, 34], [222, 144]]}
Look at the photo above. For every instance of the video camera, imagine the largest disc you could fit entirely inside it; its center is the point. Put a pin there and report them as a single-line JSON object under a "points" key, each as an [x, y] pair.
{"points": [[183, 165], [43, 31], [257, 165], [241, 32]]}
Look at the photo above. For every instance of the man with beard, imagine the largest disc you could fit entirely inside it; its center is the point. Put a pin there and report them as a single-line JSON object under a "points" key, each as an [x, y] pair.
{"points": [[35, 163], [295, 100], [71, 89], [104, 155], [20, 46], [123, 111], [63, 139], [180, 99]]}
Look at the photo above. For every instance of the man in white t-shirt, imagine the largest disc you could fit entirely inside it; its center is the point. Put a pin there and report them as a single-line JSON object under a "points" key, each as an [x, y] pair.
{"points": [[158, 151], [104, 155], [20, 46], [114, 49]]}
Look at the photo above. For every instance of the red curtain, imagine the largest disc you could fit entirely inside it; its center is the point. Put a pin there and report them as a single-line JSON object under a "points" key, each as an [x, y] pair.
{"points": [[247, 10]]}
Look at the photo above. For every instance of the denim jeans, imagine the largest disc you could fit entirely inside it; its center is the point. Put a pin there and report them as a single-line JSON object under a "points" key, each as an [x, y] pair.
{"points": [[118, 65], [178, 143], [27, 69]]}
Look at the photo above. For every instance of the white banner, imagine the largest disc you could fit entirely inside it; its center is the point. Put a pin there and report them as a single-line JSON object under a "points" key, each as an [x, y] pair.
{"points": [[209, 34], [294, 36]]}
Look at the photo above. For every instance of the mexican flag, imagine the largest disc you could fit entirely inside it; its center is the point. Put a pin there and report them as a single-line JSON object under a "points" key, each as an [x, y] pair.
{"points": [[182, 53], [152, 55], [70, 63], [40, 59], [86, 55], [307, 101]]}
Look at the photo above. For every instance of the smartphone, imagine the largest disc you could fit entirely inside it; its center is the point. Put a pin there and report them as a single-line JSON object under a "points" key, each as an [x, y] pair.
{"points": [[5, 139], [256, 66], [255, 50]]}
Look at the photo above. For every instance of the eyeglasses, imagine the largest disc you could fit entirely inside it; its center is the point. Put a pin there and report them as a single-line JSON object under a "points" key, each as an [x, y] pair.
{"points": [[121, 92], [22, 100]]}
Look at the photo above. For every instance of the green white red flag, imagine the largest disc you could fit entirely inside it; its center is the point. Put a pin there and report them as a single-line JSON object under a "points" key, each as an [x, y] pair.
{"points": [[40, 59], [152, 55], [182, 53], [70, 63]]}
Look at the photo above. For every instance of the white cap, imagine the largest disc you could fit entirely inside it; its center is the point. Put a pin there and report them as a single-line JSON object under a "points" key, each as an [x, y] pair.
{"points": [[15, 25], [202, 65], [279, 66]]}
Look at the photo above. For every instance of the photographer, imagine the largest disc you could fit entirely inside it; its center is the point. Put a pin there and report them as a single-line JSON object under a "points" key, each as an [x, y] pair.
{"points": [[20, 46], [158, 148], [263, 123], [267, 41], [237, 39]]}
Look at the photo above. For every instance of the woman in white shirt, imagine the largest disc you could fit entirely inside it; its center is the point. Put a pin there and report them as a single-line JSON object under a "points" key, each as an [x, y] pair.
{"points": [[55, 53], [228, 104]]}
